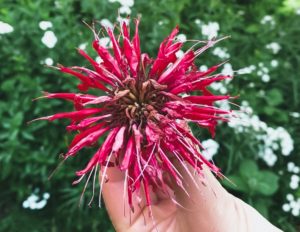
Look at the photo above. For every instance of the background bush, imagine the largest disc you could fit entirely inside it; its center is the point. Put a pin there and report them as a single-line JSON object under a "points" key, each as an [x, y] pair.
{"points": [[259, 151]]}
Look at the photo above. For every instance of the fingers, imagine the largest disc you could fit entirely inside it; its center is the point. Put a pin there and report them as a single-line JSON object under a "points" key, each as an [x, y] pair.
{"points": [[205, 208], [113, 195], [116, 203], [248, 219], [210, 207]]}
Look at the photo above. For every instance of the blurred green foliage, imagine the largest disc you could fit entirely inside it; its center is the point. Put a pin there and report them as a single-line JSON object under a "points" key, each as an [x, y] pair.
{"points": [[28, 153]]}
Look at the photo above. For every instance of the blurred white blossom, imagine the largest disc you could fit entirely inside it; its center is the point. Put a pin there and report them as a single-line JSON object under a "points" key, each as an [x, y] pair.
{"points": [[106, 23], [247, 70], [181, 37], [219, 86], [5, 28], [227, 70], [179, 54], [82, 46], [274, 63], [210, 30], [263, 72], [125, 10], [268, 19], [48, 61], [292, 206], [294, 183], [49, 39], [221, 53], [44, 25], [272, 140], [203, 68], [34, 202], [295, 114], [210, 148], [274, 47]]}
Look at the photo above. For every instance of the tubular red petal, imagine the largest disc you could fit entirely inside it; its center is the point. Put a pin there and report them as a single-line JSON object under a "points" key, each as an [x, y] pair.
{"points": [[108, 61], [166, 54], [129, 154], [180, 66], [87, 82], [136, 41], [85, 133], [98, 100], [87, 140], [206, 99], [119, 140], [106, 147], [116, 46], [87, 122], [76, 115], [80, 98]]}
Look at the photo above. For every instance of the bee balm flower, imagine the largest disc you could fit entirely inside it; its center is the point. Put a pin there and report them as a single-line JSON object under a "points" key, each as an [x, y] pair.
{"points": [[142, 110]]}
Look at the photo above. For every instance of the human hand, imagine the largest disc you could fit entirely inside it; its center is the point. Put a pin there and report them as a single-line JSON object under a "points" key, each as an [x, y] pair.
{"points": [[208, 208]]}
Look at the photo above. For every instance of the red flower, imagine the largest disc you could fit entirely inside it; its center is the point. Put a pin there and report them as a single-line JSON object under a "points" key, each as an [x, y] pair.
{"points": [[142, 110]]}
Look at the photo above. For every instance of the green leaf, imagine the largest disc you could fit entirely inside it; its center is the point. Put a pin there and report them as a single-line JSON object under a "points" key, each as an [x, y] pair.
{"points": [[262, 206], [237, 184], [248, 168], [267, 183], [274, 97]]}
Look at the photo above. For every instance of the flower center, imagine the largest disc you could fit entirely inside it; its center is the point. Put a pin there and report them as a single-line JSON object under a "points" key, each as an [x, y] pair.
{"points": [[137, 101]]}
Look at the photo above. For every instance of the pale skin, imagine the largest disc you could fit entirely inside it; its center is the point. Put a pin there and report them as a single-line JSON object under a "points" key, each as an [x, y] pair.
{"points": [[208, 208]]}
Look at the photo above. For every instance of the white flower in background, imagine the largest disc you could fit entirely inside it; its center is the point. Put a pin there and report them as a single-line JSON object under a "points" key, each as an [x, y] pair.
{"points": [[274, 47], [210, 30], [48, 61], [106, 23], [286, 207], [46, 196], [291, 167], [105, 42], [5, 28], [125, 10], [263, 72], [210, 148], [82, 46], [268, 156], [203, 68], [293, 205], [198, 21], [179, 54], [268, 19], [265, 78], [219, 86], [274, 63], [298, 11], [271, 140], [295, 114], [98, 59], [227, 70], [294, 184], [34, 202], [221, 53], [125, 6], [44, 25], [247, 70], [223, 105], [128, 3], [49, 39], [122, 19], [181, 38]]}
